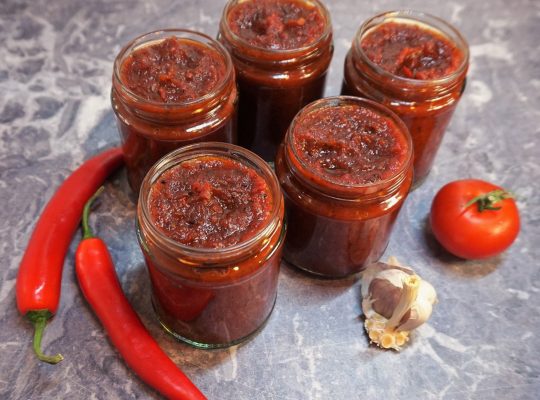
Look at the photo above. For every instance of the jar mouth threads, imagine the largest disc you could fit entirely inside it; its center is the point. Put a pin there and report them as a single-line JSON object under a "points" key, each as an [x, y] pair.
{"points": [[155, 37], [426, 21], [201, 256], [320, 181]]}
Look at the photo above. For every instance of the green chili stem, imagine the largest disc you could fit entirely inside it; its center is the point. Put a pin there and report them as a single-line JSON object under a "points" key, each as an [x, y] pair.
{"points": [[39, 320], [87, 231]]}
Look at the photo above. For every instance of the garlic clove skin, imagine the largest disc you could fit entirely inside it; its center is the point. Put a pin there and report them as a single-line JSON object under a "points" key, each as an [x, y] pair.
{"points": [[428, 293], [384, 296], [422, 308], [394, 275], [385, 290], [419, 314], [377, 268]]}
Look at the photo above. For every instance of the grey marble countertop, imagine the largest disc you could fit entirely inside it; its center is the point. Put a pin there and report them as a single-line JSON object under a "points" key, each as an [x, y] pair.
{"points": [[56, 60]]}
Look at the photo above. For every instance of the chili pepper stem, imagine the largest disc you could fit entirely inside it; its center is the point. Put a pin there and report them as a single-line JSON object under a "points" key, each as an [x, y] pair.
{"points": [[39, 320], [87, 231]]}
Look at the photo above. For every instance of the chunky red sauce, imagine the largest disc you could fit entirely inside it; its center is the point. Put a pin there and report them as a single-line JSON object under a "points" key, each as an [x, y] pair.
{"points": [[277, 24], [210, 202], [350, 145], [173, 70], [411, 51]]}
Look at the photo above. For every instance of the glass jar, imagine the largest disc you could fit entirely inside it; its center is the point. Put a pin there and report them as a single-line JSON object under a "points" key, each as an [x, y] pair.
{"points": [[337, 229], [275, 84], [150, 129], [213, 297], [425, 106]]}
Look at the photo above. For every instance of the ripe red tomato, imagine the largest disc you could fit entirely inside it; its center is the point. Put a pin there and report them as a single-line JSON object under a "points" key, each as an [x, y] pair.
{"points": [[474, 219]]}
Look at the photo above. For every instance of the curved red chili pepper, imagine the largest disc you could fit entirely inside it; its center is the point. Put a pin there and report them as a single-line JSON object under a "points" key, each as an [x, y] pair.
{"points": [[40, 273], [101, 288]]}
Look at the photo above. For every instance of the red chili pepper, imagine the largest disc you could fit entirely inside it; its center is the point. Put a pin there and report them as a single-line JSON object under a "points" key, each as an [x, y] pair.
{"points": [[40, 272], [101, 288]]}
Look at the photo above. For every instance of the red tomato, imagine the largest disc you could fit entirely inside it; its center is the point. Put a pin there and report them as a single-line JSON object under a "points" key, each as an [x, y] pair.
{"points": [[474, 219]]}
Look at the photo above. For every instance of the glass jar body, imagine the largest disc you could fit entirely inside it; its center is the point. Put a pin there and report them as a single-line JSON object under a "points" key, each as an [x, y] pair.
{"points": [[212, 298], [425, 106], [275, 84], [149, 130], [335, 232]]}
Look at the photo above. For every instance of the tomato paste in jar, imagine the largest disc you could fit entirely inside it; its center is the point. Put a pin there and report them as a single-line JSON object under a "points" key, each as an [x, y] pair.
{"points": [[415, 64], [349, 145], [211, 229], [171, 88], [276, 24], [411, 51], [172, 70], [209, 202], [281, 50], [345, 168]]}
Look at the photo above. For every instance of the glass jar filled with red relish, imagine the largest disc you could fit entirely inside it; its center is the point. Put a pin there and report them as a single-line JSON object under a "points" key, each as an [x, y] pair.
{"points": [[416, 65], [281, 50], [171, 88], [210, 225], [345, 168]]}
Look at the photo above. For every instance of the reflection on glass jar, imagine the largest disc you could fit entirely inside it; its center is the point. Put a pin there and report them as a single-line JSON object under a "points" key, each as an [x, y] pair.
{"points": [[416, 65], [281, 51], [171, 88], [210, 224], [345, 168]]}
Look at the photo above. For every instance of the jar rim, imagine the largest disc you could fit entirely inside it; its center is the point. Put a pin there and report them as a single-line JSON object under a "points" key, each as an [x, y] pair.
{"points": [[284, 53], [335, 101], [433, 22], [231, 151], [160, 35]]}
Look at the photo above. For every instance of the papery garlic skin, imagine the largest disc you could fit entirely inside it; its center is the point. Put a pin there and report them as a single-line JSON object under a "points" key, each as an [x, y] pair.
{"points": [[377, 268], [422, 308], [403, 297]]}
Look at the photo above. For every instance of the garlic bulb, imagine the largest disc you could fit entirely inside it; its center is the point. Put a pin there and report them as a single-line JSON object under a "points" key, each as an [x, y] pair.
{"points": [[395, 301]]}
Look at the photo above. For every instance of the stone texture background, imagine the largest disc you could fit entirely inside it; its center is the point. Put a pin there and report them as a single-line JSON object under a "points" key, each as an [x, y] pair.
{"points": [[56, 61]]}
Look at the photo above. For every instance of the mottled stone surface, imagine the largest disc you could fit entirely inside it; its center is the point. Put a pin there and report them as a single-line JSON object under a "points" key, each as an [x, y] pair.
{"points": [[481, 341]]}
